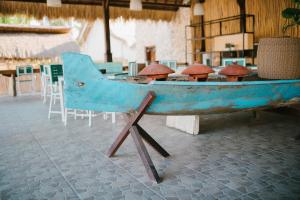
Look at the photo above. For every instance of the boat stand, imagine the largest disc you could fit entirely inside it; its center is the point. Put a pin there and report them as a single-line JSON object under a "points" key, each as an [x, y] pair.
{"points": [[138, 133]]}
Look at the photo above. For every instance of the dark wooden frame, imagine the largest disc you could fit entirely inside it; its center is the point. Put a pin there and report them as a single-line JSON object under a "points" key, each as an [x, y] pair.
{"points": [[138, 133], [168, 6]]}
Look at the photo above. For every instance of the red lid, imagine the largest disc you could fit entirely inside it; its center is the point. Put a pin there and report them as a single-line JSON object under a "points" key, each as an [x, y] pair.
{"points": [[235, 70], [155, 69], [197, 69]]}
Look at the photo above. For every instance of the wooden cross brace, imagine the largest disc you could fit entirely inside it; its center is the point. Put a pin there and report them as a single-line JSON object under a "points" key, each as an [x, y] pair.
{"points": [[138, 133]]}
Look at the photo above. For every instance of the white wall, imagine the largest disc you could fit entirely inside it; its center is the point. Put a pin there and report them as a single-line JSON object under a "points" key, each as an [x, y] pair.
{"points": [[94, 45], [156, 34], [129, 39]]}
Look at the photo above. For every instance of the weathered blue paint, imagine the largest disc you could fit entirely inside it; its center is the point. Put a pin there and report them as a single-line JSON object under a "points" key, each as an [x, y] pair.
{"points": [[182, 98]]}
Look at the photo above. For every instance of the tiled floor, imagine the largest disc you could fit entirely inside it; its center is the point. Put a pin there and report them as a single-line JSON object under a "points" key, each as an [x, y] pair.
{"points": [[234, 157]]}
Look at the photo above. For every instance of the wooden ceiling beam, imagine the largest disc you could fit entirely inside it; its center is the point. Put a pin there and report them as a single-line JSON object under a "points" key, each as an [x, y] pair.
{"points": [[146, 6], [119, 3]]}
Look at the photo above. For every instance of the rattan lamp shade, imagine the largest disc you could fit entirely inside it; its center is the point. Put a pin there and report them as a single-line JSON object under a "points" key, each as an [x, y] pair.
{"points": [[198, 9], [54, 3], [136, 5]]}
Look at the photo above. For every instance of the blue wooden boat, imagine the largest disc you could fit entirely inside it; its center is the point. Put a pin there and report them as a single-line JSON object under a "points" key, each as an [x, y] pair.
{"points": [[86, 88]]}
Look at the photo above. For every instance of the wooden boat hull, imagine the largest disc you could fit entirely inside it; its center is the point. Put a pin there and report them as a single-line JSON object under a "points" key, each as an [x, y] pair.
{"points": [[86, 88]]}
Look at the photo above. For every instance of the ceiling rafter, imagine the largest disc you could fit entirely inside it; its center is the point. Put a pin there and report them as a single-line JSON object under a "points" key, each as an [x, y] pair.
{"points": [[169, 5]]}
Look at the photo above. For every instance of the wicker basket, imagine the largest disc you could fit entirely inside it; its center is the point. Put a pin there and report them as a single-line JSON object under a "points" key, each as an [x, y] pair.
{"points": [[279, 58]]}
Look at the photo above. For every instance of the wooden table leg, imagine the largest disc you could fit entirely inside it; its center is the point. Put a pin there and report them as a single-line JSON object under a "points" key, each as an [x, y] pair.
{"points": [[150, 168], [14, 85]]}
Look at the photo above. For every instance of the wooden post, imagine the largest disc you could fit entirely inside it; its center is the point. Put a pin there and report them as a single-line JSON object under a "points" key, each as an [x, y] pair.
{"points": [[243, 27], [108, 55], [12, 90], [242, 5], [203, 47]]}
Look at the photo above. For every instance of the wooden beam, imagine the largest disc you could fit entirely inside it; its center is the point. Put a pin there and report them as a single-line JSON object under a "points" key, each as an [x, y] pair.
{"points": [[203, 47], [121, 3], [108, 54], [242, 4], [149, 5]]}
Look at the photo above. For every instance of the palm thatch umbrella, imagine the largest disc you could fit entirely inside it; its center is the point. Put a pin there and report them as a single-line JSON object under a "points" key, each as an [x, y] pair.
{"points": [[33, 44]]}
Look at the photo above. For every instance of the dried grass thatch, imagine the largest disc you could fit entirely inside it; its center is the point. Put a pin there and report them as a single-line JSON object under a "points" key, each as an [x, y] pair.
{"points": [[268, 20], [31, 45], [87, 12]]}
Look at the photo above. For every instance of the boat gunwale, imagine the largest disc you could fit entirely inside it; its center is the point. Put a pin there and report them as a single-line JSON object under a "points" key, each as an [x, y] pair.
{"points": [[216, 83]]}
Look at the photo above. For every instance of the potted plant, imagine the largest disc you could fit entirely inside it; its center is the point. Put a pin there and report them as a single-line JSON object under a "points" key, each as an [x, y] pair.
{"points": [[292, 15], [279, 58]]}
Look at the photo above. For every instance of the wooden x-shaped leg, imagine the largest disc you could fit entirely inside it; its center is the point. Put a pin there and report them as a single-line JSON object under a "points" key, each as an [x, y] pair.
{"points": [[138, 133]]}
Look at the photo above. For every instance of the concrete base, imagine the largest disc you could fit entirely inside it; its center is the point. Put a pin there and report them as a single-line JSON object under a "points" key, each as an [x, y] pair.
{"points": [[189, 124]]}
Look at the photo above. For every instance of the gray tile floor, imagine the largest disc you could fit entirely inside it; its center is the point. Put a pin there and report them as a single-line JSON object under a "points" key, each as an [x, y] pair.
{"points": [[234, 157]]}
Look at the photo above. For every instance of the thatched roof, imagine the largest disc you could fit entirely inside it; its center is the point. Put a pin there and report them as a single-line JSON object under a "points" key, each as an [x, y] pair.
{"points": [[33, 45], [91, 9]]}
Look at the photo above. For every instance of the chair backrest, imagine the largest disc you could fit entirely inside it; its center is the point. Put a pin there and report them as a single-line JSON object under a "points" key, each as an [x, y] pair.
{"points": [[170, 63], [111, 67], [41, 69], [24, 70], [164, 62], [56, 70], [47, 70], [132, 69]]}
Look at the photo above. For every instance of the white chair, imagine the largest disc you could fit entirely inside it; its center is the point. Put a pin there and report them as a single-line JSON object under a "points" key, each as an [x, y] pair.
{"points": [[54, 72], [66, 111], [170, 63], [42, 79], [46, 85], [25, 74], [113, 116], [132, 69], [78, 113]]}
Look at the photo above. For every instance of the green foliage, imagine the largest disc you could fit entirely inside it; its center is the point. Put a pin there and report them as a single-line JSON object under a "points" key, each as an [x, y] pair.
{"points": [[57, 22], [14, 20], [292, 15], [229, 45]]}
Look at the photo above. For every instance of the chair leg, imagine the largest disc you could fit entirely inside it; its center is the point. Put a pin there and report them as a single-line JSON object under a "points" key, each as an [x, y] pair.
{"points": [[113, 117], [50, 106], [45, 92], [90, 118], [54, 89], [62, 108], [42, 86], [66, 116], [75, 114]]}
